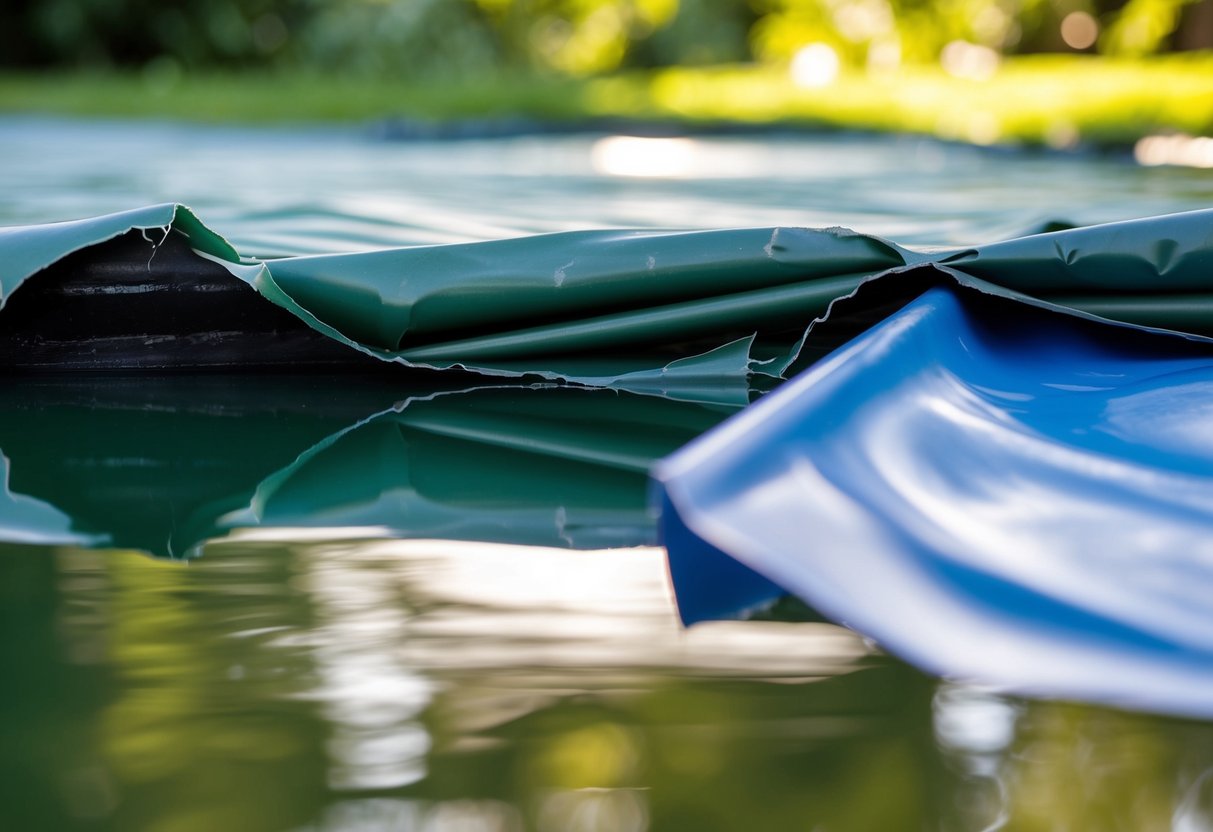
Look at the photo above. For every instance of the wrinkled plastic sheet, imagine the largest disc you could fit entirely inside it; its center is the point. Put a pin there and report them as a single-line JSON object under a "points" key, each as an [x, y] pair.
{"points": [[666, 311], [1004, 480], [991, 492]]}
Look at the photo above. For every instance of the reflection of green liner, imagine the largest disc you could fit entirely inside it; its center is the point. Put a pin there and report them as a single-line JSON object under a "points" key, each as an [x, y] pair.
{"points": [[148, 463], [164, 464]]}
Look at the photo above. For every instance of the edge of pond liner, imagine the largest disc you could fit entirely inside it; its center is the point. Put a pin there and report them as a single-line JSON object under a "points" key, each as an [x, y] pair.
{"points": [[103, 308], [876, 295]]}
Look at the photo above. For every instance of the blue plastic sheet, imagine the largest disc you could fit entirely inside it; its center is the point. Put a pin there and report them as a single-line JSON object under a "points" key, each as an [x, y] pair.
{"points": [[990, 491]]}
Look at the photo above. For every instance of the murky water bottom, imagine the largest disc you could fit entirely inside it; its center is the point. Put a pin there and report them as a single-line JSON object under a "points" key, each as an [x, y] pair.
{"points": [[346, 679]]}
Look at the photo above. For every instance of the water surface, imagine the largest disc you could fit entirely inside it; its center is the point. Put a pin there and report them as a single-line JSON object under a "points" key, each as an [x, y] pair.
{"points": [[310, 189], [300, 604], [370, 684]]}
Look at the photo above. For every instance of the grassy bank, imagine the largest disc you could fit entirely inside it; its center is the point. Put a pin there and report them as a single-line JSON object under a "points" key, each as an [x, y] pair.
{"points": [[1052, 100]]}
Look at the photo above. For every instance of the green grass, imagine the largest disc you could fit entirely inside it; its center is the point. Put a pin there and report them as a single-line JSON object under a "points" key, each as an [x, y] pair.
{"points": [[1053, 100], [269, 97]]}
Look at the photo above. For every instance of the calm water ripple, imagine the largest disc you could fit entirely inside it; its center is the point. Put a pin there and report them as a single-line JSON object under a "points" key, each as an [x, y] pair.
{"points": [[336, 655], [309, 189]]}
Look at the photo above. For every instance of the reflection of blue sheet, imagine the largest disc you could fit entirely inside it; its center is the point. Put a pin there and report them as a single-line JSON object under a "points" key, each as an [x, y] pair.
{"points": [[992, 492]]}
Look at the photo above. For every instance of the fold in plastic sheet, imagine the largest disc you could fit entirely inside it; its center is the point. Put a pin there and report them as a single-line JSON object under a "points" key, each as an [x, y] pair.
{"points": [[657, 311], [989, 491], [163, 465]]}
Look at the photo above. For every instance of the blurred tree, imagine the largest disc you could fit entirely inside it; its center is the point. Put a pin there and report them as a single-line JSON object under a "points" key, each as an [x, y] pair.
{"points": [[1195, 30], [702, 32], [442, 38], [405, 38], [578, 37], [1142, 27], [131, 33]]}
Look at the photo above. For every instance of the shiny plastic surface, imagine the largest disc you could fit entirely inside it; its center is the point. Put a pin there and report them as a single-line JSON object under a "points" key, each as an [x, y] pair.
{"points": [[990, 491], [664, 311]]}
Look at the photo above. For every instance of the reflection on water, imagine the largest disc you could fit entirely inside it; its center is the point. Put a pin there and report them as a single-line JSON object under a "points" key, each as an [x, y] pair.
{"points": [[336, 655], [324, 662], [163, 465], [350, 685], [333, 657]]}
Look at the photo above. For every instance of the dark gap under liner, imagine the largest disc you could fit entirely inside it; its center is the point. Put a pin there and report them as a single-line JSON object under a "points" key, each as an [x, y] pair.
{"points": [[111, 307]]}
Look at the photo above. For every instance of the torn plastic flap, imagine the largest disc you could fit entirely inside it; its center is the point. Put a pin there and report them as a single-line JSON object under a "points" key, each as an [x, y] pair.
{"points": [[625, 308]]}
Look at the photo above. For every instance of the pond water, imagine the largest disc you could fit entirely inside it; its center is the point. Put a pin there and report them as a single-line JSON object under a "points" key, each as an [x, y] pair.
{"points": [[314, 604]]}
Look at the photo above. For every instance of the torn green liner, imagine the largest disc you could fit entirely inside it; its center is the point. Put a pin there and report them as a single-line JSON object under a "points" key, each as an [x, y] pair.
{"points": [[669, 312]]}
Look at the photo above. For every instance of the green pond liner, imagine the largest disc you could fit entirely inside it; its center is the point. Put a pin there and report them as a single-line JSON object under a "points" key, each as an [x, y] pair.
{"points": [[688, 314]]}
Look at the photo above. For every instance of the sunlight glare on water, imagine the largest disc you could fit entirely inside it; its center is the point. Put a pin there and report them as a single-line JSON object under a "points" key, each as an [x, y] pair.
{"points": [[355, 667], [350, 684], [275, 191]]}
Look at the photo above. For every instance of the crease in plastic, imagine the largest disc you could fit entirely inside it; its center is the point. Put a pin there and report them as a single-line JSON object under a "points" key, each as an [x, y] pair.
{"points": [[664, 310]]}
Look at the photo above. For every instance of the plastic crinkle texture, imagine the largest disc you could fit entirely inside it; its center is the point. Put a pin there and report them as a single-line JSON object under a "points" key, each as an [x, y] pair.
{"points": [[688, 313]]}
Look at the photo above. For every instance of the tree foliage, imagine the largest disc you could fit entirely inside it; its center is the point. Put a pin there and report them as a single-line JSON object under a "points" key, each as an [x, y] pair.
{"points": [[445, 38]]}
